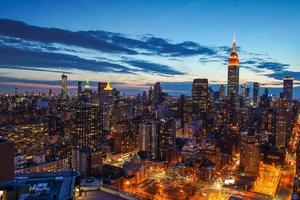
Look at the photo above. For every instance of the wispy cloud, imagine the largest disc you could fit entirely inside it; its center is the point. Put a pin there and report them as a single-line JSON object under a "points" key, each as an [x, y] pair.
{"points": [[33, 48], [153, 67]]}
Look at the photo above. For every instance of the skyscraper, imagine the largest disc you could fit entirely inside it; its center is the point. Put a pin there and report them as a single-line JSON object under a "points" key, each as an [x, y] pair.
{"points": [[148, 138], [166, 134], [280, 137], [221, 91], [288, 88], [250, 154], [298, 160], [200, 94], [87, 86], [243, 90], [108, 87], [256, 87], [79, 88], [125, 136], [247, 92], [86, 126], [7, 160], [64, 86], [288, 95], [101, 86], [158, 94], [233, 72]]}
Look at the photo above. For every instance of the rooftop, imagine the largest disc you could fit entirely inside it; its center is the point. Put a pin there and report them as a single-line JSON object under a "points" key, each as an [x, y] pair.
{"points": [[94, 195], [44, 186]]}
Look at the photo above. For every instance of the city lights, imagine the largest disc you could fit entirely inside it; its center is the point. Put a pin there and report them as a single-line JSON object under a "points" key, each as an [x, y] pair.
{"points": [[90, 114]]}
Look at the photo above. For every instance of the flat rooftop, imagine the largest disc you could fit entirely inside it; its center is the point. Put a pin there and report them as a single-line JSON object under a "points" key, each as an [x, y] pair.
{"points": [[45, 186], [95, 195]]}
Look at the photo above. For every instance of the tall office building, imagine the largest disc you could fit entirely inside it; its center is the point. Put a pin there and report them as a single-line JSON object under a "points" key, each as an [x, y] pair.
{"points": [[233, 72], [158, 94], [221, 91], [288, 95], [125, 136], [108, 87], [298, 160], [182, 112], [256, 87], [108, 97], [250, 154], [148, 138], [166, 133], [243, 90], [86, 126], [288, 88], [151, 94], [64, 86], [79, 87], [280, 134], [200, 94], [101, 86], [7, 160], [247, 92], [87, 87]]}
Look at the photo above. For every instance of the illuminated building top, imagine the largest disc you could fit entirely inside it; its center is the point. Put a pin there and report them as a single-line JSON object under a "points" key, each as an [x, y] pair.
{"points": [[87, 85], [233, 58], [108, 87], [233, 71]]}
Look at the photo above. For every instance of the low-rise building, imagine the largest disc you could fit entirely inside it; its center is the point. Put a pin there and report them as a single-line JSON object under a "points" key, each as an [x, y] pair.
{"points": [[60, 165]]}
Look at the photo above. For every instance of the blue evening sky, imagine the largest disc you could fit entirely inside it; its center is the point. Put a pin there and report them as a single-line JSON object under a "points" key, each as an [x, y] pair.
{"points": [[266, 27]]}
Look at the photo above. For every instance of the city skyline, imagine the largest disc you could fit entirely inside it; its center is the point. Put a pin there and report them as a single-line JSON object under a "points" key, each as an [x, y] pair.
{"points": [[149, 100], [132, 61]]}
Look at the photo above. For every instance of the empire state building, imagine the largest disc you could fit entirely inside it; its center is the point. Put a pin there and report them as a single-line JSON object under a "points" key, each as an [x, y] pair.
{"points": [[233, 72]]}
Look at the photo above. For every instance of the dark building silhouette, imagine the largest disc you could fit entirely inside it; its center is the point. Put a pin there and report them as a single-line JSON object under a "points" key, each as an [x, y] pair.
{"points": [[79, 87], [64, 86], [256, 87], [6, 160], [200, 94]]}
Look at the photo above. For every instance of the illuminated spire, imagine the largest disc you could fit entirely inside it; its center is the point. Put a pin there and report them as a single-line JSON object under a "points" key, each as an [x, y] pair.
{"points": [[87, 85], [233, 58], [234, 43], [108, 87]]}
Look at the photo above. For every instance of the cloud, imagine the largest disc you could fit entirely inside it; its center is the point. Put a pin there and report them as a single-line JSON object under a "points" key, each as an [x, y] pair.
{"points": [[15, 58], [278, 70], [162, 46], [18, 58], [101, 40], [279, 75], [153, 67], [27, 47], [153, 45], [34, 48], [248, 62], [53, 35], [207, 60], [273, 66]]}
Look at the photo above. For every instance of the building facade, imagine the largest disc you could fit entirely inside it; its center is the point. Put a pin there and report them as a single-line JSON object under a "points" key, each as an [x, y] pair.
{"points": [[249, 154], [233, 72], [200, 94], [86, 126], [64, 86]]}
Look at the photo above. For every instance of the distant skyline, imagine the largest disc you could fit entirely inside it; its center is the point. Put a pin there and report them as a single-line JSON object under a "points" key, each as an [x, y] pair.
{"points": [[136, 43]]}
